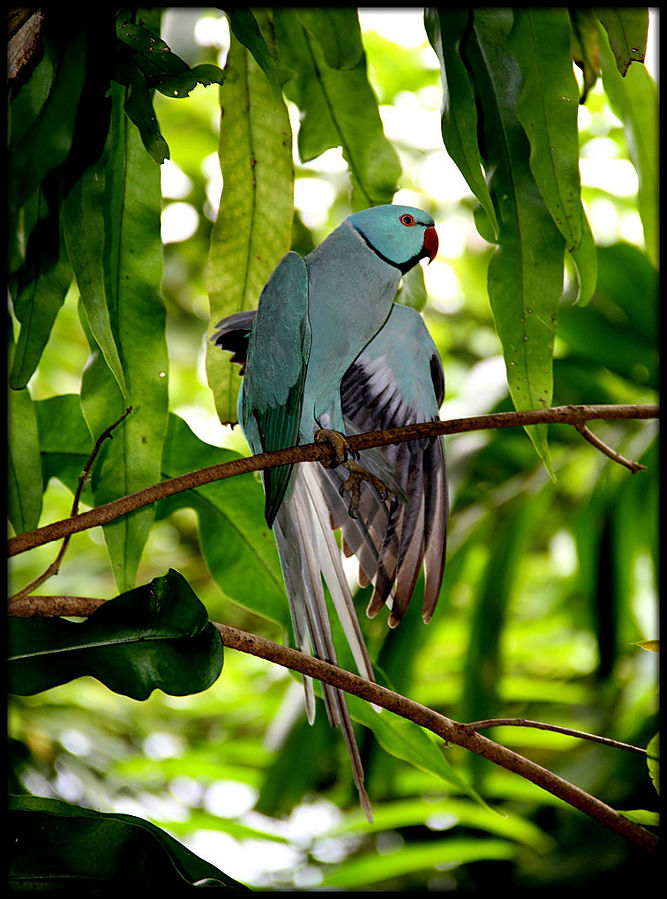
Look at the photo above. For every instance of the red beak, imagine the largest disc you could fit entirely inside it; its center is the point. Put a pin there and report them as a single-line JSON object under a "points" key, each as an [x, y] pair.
{"points": [[431, 243]]}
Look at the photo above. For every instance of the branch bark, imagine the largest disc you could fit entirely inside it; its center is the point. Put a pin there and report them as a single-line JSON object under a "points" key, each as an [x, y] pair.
{"points": [[576, 416]]}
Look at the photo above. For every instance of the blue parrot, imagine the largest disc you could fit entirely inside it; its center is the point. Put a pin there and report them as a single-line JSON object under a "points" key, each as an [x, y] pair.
{"points": [[327, 354]]}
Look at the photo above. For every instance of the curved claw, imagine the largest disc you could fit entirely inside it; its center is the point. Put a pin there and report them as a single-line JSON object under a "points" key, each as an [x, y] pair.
{"points": [[357, 475]]}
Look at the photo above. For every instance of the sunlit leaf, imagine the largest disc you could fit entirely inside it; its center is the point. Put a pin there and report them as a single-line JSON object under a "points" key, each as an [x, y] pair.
{"points": [[153, 637], [653, 761], [337, 31], [252, 230]]}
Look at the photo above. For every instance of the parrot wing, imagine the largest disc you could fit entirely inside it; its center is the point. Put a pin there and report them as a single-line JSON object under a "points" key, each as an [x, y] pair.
{"points": [[279, 347]]}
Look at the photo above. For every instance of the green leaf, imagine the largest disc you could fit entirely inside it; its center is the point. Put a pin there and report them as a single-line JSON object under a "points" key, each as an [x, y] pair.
{"points": [[238, 548], [180, 85], [634, 99], [585, 258], [42, 285], [445, 30], [57, 843], [252, 230], [150, 53], [450, 852], [132, 277], [641, 816], [585, 47], [156, 636], [628, 31], [339, 109], [246, 30], [653, 761], [525, 276], [337, 31], [139, 108], [84, 227], [547, 108], [64, 439], [24, 471]]}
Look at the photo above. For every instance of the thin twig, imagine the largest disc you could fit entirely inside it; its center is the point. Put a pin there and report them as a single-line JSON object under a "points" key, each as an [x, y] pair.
{"points": [[54, 567], [317, 452], [608, 451], [449, 730], [474, 726]]}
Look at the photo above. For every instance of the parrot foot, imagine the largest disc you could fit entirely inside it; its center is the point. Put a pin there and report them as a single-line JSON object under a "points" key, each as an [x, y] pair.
{"points": [[339, 447], [353, 486]]}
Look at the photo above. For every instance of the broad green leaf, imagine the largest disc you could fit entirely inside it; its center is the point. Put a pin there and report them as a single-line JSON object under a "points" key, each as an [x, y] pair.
{"points": [[414, 856], [338, 109], [525, 277], [628, 30], [238, 548], [56, 842], [445, 29], [252, 230], [180, 85], [24, 471], [42, 285], [547, 109], [132, 275], [64, 440], [155, 637], [336, 29], [84, 226], [634, 99]]}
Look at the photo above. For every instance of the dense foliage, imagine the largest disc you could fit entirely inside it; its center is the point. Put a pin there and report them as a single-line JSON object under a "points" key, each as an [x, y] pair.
{"points": [[128, 720]]}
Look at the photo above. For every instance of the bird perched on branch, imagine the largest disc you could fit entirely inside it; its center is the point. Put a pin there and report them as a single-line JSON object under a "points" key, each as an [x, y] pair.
{"points": [[327, 354]]}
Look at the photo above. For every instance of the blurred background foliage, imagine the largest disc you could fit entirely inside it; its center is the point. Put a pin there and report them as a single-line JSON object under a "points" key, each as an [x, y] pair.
{"points": [[549, 586]]}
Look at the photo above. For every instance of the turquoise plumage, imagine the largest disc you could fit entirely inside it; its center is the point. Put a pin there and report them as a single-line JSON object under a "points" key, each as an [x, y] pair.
{"points": [[329, 349]]}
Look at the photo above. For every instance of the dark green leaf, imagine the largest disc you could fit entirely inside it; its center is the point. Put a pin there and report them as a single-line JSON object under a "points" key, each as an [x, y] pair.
{"points": [[653, 761], [64, 439], [153, 637], [139, 108], [57, 844], [180, 85], [628, 30], [24, 473], [445, 29], [246, 30], [151, 54], [585, 46]]}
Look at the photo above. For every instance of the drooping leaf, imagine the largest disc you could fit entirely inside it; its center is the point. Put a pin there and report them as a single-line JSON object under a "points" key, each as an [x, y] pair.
{"points": [[41, 286], [634, 99], [139, 108], [178, 86], [56, 843], [24, 473], [156, 636], [339, 109], [247, 31], [547, 110], [337, 31], [445, 29], [628, 31], [132, 276], [238, 548], [252, 230], [585, 258], [585, 47], [525, 276]]}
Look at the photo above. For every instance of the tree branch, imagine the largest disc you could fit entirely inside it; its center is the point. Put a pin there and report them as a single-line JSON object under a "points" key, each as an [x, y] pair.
{"points": [[449, 730], [473, 726], [320, 452], [464, 735]]}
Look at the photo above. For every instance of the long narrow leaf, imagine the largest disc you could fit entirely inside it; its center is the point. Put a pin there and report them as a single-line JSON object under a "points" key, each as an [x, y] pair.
{"points": [[445, 29], [547, 110], [132, 274], [253, 227], [24, 473], [628, 30]]}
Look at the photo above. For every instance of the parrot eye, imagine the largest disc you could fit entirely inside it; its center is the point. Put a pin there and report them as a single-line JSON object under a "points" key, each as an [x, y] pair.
{"points": [[407, 219]]}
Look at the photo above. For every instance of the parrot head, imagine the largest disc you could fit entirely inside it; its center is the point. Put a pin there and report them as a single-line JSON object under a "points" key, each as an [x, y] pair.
{"points": [[401, 235]]}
